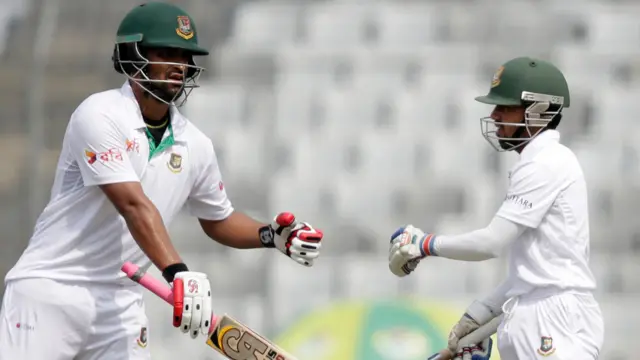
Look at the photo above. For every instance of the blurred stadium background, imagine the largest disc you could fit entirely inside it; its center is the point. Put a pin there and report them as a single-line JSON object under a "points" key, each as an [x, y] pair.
{"points": [[358, 116]]}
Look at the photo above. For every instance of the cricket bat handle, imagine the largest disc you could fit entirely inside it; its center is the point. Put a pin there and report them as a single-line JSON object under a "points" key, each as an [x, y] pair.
{"points": [[474, 337], [135, 273]]}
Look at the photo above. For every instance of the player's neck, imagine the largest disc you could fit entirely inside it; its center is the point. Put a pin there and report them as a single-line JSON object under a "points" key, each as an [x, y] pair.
{"points": [[150, 107]]}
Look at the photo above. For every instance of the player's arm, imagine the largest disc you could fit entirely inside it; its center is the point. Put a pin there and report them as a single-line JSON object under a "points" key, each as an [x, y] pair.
{"points": [[531, 193], [208, 202], [144, 222], [99, 150], [478, 245], [237, 231]]}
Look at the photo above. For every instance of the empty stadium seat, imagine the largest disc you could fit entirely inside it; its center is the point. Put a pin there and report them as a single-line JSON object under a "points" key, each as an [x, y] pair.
{"points": [[313, 67], [405, 25], [266, 24], [614, 29], [392, 70], [214, 107], [369, 278], [298, 290], [334, 24]]}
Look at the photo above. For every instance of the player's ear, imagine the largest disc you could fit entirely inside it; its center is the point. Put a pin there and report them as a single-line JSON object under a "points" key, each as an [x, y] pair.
{"points": [[128, 52]]}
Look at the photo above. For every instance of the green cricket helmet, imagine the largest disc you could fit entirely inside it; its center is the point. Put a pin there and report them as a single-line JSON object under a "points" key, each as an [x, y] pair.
{"points": [[535, 84], [157, 25]]}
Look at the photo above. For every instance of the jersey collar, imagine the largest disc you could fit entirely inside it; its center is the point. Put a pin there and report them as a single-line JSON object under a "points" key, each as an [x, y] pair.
{"points": [[178, 122], [539, 142]]}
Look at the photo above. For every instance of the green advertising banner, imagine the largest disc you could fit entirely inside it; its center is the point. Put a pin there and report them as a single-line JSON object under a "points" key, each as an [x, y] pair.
{"points": [[372, 330]]}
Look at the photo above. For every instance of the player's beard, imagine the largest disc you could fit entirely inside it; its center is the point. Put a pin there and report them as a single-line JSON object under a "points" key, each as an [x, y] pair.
{"points": [[165, 91], [514, 142]]}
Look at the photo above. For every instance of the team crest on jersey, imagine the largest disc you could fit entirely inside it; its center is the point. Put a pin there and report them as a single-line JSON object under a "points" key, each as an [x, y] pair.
{"points": [[496, 77], [142, 339], [546, 346], [184, 29], [175, 163]]}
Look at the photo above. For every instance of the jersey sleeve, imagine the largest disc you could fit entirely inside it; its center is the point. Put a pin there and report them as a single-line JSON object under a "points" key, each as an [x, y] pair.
{"points": [[533, 189], [98, 147], [208, 199]]}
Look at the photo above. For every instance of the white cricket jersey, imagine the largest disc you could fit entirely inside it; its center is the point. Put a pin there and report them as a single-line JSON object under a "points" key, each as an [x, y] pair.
{"points": [[80, 236], [548, 194]]}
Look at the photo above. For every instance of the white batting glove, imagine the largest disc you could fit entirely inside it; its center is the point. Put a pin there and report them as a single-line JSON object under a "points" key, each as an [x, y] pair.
{"points": [[298, 240], [192, 303], [480, 351], [476, 315], [408, 246]]}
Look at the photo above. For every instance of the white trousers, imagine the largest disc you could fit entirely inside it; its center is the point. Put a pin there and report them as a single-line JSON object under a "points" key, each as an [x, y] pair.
{"points": [[43, 319], [566, 326]]}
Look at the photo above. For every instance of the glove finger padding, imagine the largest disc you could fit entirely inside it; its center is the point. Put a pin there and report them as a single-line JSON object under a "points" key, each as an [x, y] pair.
{"points": [[481, 351], [298, 248], [207, 311], [305, 232], [399, 265], [195, 305], [196, 317]]}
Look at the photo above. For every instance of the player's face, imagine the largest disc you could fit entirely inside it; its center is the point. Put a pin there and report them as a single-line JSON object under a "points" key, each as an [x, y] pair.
{"points": [[505, 115], [168, 65]]}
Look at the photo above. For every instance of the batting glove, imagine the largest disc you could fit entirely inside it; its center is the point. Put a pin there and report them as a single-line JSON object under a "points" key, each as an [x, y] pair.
{"points": [[477, 314], [298, 240], [192, 303], [408, 246], [480, 351]]}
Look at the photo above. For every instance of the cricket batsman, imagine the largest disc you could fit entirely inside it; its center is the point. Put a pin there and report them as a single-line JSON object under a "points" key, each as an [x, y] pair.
{"points": [[542, 225], [129, 163]]}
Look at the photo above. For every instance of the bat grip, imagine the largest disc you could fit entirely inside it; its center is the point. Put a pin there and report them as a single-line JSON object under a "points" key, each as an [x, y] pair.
{"points": [[483, 332], [135, 273]]}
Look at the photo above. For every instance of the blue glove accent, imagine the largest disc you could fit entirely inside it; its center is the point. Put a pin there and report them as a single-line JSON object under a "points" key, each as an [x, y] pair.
{"points": [[489, 349], [397, 233]]}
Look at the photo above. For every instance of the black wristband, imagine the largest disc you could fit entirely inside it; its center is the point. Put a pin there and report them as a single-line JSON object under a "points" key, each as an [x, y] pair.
{"points": [[170, 271], [267, 236]]}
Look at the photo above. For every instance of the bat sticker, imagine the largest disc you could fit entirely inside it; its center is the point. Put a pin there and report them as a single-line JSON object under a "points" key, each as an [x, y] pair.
{"points": [[232, 339]]}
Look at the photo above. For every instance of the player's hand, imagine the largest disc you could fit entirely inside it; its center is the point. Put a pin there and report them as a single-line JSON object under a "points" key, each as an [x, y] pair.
{"points": [[298, 240], [408, 246], [476, 315], [480, 351], [192, 303]]}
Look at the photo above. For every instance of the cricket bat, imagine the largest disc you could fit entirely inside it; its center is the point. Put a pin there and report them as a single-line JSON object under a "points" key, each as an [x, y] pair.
{"points": [[474, 337], [227, 336]]}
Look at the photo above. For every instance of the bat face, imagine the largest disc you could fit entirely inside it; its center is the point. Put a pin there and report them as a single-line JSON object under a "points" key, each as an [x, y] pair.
{"points": [[237, 342]]}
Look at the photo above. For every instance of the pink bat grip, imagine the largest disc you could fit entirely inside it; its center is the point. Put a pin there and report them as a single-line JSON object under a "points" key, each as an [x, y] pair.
{"points": [[155, 286]]}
